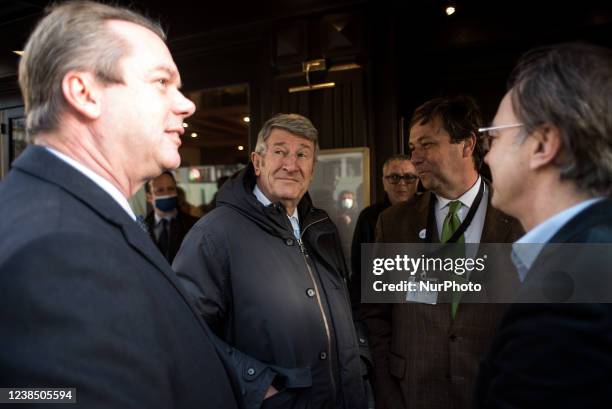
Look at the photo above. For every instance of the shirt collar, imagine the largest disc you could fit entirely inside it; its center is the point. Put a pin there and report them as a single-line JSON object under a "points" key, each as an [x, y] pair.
{"points": [[169, 217], [466, 199], [526, 249], [267, 202], [104, 184]]}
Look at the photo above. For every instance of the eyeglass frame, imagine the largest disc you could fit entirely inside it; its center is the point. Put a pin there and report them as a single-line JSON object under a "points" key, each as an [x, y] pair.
{"points": [[487, 137], [406, 177]]}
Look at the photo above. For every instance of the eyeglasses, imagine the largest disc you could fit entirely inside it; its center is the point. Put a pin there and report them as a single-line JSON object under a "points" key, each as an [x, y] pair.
{"points": [[395, 178], [488, 134]]}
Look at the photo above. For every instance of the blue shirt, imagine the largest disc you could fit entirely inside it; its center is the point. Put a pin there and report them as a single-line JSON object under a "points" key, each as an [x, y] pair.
{"points": [[294, 219], [526, 249]]}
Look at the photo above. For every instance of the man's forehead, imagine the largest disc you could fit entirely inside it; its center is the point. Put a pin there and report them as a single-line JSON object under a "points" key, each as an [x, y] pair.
{"points": [[149, 48], [397, 165], [421, 130], [505, 111], [163, 180]]}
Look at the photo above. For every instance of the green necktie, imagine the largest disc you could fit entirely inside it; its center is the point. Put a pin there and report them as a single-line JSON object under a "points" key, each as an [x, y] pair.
{"points": [[450, 226]]}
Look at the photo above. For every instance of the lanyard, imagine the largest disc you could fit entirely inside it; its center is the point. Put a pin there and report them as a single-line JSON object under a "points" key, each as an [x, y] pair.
{"points": [[431, 218]]}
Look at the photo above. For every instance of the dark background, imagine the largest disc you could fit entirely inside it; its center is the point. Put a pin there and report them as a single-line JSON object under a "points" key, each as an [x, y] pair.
{"points": [[402, 53]]}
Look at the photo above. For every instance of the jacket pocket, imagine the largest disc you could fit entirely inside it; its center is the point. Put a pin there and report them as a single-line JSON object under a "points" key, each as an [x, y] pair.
{"points": [[283, 399], [397, 365]]}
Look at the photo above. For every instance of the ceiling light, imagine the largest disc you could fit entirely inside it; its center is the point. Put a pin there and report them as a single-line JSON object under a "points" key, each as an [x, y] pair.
{"points": [[194, 135], [240, 147], [185, 125], [450, 10], [246, 119]]}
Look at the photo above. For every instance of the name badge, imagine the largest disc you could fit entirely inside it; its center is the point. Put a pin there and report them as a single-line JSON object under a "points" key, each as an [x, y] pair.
{"points": [[416, 294]]}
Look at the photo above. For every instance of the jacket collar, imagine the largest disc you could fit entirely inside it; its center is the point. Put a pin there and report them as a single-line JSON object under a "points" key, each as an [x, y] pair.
{"points": [[497, 225], [38, 162]]}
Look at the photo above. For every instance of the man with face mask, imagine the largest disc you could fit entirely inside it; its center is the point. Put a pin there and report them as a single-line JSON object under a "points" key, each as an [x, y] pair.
{"points": [[167, 224]]}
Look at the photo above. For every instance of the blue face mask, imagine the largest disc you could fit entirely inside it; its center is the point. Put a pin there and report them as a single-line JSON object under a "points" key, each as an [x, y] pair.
{"points": [[166, 203]]}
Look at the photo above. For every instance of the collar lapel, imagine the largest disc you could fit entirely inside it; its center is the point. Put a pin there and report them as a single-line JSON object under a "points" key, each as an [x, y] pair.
{"points": [[40, 163]]}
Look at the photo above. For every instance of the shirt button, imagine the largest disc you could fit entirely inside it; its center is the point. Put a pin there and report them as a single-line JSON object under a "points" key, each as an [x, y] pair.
{"points": [[362, 340], [310, 292], [289, 242], [323, 355]]}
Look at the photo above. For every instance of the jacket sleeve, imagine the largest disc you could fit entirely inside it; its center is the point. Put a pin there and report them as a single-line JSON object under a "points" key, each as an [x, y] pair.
{"points": [[202, 265], [377, 319]]}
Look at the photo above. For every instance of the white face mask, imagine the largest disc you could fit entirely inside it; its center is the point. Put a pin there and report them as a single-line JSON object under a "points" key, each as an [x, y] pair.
{"points": [[347, 203]]}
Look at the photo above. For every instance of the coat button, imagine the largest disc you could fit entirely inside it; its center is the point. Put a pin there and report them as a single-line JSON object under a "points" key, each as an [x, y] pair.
{"points": [[250, 371], [310, 292], [453, 337], [323, 355], [289, 242]]}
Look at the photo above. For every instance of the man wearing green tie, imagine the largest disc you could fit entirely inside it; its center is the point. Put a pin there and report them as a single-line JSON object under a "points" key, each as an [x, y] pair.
{"points": [[426, 356]]}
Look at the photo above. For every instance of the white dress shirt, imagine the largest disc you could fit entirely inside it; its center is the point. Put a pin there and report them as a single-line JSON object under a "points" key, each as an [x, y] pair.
{"points": [[474, 231], [293, 219]]}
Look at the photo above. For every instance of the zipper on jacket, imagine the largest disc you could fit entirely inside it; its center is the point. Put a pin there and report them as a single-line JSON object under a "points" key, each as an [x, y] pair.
{"points": [[321, 309]]}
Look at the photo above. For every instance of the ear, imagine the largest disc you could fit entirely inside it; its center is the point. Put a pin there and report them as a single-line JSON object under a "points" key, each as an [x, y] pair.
{"points": [[256, 159], [82, 92], [468, 146], [547, 146]]}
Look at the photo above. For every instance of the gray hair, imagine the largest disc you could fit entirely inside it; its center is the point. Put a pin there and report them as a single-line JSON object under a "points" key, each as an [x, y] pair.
{"points": [[397, 157], [570, 86], [72, 36], [293, 123]]}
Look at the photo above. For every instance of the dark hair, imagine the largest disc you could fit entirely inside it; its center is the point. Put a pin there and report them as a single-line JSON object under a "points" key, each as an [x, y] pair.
{"points": [[460, 117], [165, 172], [393, 158], [569, 86]]}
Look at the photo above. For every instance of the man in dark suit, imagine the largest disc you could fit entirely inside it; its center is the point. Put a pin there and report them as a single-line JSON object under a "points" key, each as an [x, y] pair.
{"points": [[550, 149], [167, 223], [426, 356], [87, 300]]}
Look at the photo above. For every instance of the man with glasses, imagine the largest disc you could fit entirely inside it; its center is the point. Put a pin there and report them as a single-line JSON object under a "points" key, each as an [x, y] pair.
{"points": [[551, 161], [400, 184], [426, 355]]}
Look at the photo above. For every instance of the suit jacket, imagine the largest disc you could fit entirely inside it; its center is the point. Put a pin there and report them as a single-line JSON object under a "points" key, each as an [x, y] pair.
{"points": [[89, 302], [179, 227], [552, 355], [422, 357]]}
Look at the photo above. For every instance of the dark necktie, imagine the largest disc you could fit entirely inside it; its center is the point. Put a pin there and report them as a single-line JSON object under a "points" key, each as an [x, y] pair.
{"points": [[164, 238]]}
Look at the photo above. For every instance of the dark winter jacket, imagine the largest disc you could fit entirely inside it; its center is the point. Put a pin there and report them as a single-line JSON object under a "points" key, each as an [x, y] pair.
{"points": [[281, 303]]}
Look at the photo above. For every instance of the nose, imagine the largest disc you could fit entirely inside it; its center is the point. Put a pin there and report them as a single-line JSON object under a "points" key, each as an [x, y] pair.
{"points": [[290, 163], [183, 105], [415, 157], [486, 158]]}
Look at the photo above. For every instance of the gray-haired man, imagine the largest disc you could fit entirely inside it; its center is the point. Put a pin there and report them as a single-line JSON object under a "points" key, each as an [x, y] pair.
{"points": [[267, 273]]}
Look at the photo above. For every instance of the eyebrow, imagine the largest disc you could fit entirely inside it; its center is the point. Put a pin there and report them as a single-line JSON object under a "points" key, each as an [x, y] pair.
{"points": [[302, 145], [171, 72], [419, 139]]}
